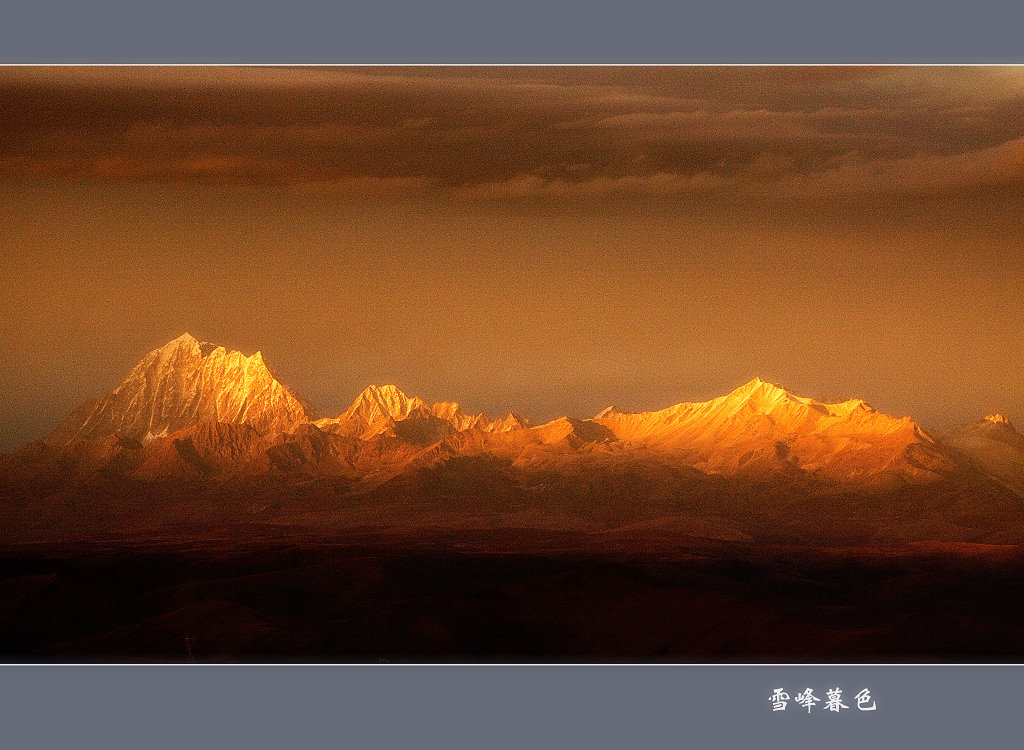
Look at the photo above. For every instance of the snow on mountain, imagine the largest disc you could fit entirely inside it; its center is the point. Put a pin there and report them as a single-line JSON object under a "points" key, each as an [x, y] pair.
{"points": [[994, 446], [386, 410], [761, 428], [196, 407], [185, 383]]}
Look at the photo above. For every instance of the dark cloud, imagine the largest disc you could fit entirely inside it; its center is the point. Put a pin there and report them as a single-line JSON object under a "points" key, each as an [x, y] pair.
{"points": [[521, 132]]}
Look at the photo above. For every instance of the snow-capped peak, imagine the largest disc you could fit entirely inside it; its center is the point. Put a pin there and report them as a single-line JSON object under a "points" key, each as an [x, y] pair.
{"points": [[998, 419], [762, 390], [182, 384], [185, 338], [383, 401]]}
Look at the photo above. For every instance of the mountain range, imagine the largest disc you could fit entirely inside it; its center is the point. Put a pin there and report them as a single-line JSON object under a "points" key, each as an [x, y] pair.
{"points": [[197, 413]]}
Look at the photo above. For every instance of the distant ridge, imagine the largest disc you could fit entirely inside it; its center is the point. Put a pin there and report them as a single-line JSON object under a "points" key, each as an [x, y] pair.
{"points": [[759, 430], [761, 427]]}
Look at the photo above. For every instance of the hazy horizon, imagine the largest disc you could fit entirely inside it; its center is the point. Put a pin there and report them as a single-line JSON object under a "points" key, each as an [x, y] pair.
{"points": [[548, 241]]}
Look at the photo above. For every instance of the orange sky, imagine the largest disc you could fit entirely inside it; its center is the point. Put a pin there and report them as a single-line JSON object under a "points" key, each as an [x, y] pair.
{"points": [[550, 240]]}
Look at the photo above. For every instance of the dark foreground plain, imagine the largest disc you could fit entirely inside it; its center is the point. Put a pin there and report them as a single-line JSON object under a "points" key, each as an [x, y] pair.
{"points": [[507, 596]]}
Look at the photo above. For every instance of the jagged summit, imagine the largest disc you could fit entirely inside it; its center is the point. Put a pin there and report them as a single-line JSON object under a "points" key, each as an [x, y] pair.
{"points": [[998, 419], [762, 428], [761, 396], [764, 394], [762, 387], [992, 426], [377, 402], [186, 339], [188, 342], [512, 422], [757, 396], [993, 445], [378, 409], [182, 384]]}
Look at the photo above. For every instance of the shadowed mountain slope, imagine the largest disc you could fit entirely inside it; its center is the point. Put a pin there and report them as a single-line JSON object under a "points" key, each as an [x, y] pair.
{"points": [[197, 436]]}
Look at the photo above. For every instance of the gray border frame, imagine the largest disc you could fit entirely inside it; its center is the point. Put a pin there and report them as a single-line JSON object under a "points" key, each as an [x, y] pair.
{"points": [[509, 706], [527, 31], [595, 706]]}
